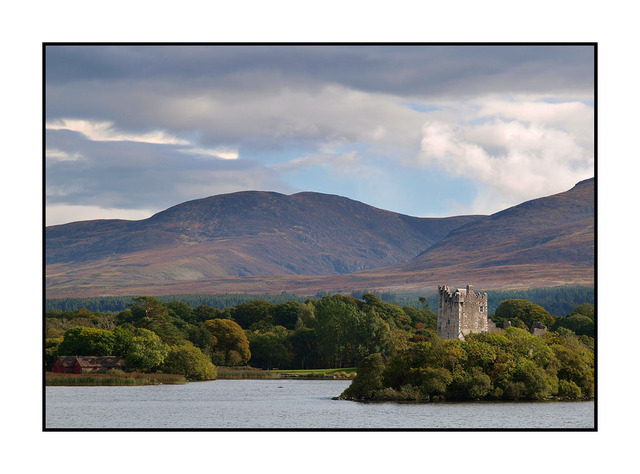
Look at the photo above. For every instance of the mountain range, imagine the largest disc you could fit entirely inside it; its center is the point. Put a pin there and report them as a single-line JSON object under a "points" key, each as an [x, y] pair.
{"points": [[261, 242]]}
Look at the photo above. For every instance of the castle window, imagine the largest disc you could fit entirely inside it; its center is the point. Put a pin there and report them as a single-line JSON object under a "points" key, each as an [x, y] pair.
{"points": [[482, 309]]}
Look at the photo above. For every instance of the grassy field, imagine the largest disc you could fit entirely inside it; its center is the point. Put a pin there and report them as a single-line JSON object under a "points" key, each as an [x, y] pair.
{"points": [[245, 373], [253, 373], [114, 378], [347, 373]]}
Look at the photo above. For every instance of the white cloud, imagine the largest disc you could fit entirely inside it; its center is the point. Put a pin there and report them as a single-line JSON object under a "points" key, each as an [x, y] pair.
{"points": [[53, 154], [336, 161], [63, 213], [106, 131], [343, 125], [513, 151], [362, 172], [328, 115], [222, 153], [574, 117], [198, 184]]}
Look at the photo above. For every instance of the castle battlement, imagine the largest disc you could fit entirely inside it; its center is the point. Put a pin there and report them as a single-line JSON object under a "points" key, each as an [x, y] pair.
{"points": [[461, 312]]}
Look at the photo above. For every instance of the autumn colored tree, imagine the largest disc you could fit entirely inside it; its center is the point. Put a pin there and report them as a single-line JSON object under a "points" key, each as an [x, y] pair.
{"points": [[232, 345], [188, 360]]}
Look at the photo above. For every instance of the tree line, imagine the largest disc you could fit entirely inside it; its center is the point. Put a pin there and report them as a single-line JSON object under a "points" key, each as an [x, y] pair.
{"points": [[336, 331], [332, 332], [557, 300]]}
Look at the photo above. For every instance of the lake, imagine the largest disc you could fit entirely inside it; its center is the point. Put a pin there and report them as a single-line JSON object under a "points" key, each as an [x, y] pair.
{"points": [[288, 404]]}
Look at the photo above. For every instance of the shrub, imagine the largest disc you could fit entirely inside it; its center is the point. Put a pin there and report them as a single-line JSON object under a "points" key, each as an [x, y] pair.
{"points": [[514, 390], [188, 360], [523, 311], [368, 379], [434, 380], [404, 393], [569, 389], [145, 351]]}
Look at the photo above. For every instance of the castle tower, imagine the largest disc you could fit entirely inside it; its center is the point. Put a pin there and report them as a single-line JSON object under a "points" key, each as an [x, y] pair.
{"points": [[461, 312]]}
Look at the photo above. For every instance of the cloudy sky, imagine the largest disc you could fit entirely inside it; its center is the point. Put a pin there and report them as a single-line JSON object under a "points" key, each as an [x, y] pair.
{"points": [[420, 130]]}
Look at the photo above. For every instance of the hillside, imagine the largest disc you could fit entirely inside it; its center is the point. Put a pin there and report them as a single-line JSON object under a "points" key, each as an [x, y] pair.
{"points": [[543, 242], [239, 235], [308, 242], [554, 229]]}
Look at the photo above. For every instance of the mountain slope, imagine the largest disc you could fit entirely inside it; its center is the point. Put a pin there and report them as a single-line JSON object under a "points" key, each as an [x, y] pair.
{"points": [[241, 234], [553, 229], [543, 242], [263, 239]]}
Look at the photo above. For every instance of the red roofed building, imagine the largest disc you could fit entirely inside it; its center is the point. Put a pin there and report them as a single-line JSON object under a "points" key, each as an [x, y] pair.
{"points": [[87, 364]]}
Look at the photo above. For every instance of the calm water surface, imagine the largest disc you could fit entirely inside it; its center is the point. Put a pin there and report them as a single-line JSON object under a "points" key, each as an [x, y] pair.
{"points": [[303, 404]]}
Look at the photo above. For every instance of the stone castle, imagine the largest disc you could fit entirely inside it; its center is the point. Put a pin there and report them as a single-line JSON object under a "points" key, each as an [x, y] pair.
{"points": [[461, 312]]}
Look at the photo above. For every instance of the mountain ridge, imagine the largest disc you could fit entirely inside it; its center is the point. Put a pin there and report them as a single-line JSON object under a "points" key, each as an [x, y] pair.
{"points": [[258, 241], [268, 232]]}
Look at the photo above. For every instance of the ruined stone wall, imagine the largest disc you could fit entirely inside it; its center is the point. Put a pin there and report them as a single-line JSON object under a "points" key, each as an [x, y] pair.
{"points": [[461, 312], [448, 313]]}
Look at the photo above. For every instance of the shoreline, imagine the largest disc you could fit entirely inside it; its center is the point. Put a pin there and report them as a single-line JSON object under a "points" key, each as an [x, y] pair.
{"points": [[53, 379], [126, 379]]}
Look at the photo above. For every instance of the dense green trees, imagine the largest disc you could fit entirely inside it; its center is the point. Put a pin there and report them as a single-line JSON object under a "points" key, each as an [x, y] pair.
{"points": [[581, 320], [305, 352], [86, 341], [147, 307], [270, 349], [575, 361], [288, 314], [183, 311], [347, 334], [333, 331], [141, 338], [142, 349], [204, 313], [510, 365], [369, 379], [247, 314], [557, 300], [398, 345], [522, 313]]}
